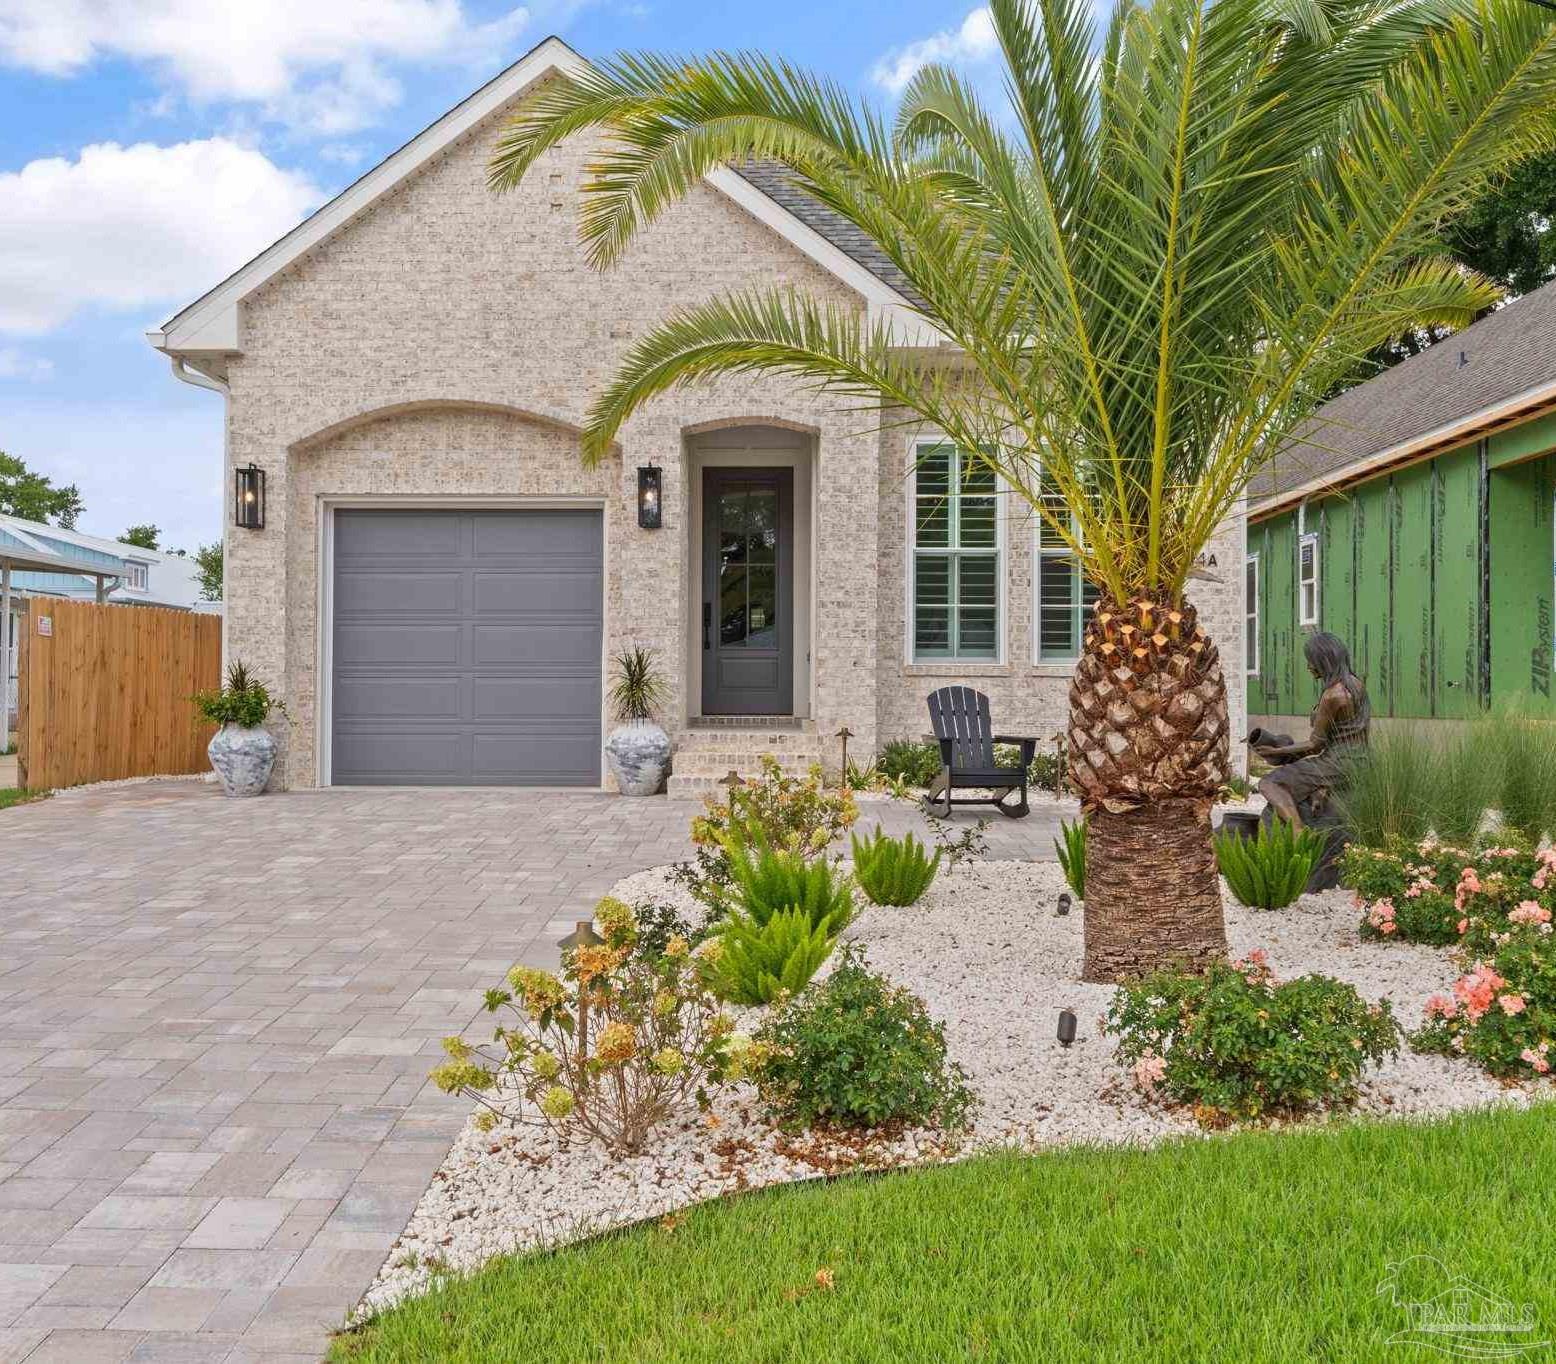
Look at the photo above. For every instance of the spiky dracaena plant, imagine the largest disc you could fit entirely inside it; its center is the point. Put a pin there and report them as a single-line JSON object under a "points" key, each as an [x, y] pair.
{"points": [[1182, 232]]}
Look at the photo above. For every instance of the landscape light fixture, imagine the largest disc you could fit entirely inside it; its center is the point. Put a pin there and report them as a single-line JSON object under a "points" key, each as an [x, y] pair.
{"points": [[1064, 903], [1066, 1027], [249, 497], [650, 503]]}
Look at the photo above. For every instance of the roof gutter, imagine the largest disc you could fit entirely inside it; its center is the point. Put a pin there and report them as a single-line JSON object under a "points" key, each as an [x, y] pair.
{"points": [[1475, 423]]}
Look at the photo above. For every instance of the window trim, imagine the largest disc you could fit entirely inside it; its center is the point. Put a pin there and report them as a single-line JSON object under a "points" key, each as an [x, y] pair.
{"points": [[910, 547], [1309, 539], [1251, 636], [137, 568], [1038, 555]]}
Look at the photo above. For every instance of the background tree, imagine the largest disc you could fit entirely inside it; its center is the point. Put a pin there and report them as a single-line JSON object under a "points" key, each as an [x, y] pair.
{"points": [[208, 558], [1505, 235], [1137, 282], [34, 498], [146, 537]]}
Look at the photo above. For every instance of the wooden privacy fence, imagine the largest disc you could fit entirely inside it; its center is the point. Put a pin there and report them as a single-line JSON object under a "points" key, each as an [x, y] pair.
{"points": [[104, 691]]}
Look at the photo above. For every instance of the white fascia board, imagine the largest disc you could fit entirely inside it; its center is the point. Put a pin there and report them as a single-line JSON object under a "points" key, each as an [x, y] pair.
{"points": [[1466, 425]]}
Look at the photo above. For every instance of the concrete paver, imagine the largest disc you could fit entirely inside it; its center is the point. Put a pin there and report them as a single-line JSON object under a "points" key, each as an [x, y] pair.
{"points": [[216, 1021]]}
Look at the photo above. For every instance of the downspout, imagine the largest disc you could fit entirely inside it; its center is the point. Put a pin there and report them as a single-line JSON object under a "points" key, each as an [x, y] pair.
{"points": [[186, 373]]}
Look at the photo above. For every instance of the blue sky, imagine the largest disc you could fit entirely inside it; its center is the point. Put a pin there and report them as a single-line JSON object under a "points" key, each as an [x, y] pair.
{"points": [[149, 147]]}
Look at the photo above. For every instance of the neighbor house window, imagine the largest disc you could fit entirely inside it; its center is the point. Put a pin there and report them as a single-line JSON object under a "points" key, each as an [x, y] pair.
{"points": [[956, 555], [1064, 594], [1251, 612], [1307, 579], [135, 576]]}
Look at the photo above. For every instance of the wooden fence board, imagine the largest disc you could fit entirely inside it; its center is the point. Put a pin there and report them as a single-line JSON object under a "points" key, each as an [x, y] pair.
{"points": [[105, 694]]}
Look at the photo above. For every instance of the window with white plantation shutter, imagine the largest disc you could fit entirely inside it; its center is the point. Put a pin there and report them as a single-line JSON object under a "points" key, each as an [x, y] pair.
{"points": [[1251, 611], [956, 556], [1064, 595]]}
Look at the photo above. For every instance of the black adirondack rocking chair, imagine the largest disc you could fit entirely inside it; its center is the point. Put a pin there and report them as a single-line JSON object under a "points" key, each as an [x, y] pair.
{"points": [[960, 719]]}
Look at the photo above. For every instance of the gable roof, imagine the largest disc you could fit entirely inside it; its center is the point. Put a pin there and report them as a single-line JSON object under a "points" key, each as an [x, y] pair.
{"points": [[210, 323], [1489, 372]]}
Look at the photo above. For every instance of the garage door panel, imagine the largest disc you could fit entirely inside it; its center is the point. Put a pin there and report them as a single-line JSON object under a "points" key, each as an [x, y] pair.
{"points": [[549, 645], [548, 759], [467, 647], [578, 535], [439, 698], [402, 757], [542, 590], [398, 645], [544, 699], [397, 534], [396, 593]]}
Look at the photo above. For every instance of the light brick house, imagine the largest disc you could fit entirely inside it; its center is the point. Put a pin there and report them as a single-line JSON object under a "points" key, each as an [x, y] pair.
{"points": [[439, 582]]}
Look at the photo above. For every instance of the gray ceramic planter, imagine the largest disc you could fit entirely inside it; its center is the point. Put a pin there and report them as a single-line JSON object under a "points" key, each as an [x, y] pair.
{"points": [[242, 758], [638, 753]]}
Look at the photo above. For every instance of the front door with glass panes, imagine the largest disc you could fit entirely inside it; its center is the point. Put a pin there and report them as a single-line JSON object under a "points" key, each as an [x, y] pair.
{"points": [[747, 606]]}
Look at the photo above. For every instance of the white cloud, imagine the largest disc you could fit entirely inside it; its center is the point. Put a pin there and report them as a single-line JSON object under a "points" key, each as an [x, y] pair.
{"points": [[317, 65], [973, 41], [16, 364], [130, 227]]}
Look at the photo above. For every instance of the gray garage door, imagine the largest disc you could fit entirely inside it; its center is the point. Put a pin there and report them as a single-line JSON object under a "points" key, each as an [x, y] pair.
{"points": [[467, 648]]}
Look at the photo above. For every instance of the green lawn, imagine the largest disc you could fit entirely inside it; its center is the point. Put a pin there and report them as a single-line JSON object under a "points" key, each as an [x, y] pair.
{"points": [[1249, 1248], [14, 795]]}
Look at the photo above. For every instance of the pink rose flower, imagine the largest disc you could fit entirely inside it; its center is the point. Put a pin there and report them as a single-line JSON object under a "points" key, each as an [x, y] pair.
{"points": [[1512, 1004]]}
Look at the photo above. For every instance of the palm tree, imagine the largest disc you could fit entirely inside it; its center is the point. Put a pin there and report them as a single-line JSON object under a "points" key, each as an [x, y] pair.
{"points": [[1148, 268]]}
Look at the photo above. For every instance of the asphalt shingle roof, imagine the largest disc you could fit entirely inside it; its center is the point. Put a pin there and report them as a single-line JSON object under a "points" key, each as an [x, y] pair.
{"points": [[1504, 354], [776, 181]]}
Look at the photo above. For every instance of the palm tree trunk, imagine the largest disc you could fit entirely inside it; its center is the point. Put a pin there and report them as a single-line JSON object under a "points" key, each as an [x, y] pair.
{"points": [[1153, 893], [1148, 745]]}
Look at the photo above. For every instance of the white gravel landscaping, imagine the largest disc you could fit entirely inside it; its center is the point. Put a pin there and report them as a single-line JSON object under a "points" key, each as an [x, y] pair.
{"points": [[987, 951]]}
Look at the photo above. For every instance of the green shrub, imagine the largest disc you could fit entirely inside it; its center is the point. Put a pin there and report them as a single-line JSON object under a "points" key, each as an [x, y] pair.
{"points": [[1269, 870], [243, 701], [752, 962], [763, 881], [917, 764], [1463, 785], [1071, 847], [793, 814], [656, 1041], [1502, 1011], [893, 871], [857, 1051], [1237, 1044]]}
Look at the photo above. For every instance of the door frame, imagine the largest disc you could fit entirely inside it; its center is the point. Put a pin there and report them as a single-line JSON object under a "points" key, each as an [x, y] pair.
{"points": [[782, 477], [324, 605]]}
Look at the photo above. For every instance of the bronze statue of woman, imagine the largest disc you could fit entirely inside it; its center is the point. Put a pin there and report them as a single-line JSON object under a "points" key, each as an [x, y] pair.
{"points": [[1341, 721]]}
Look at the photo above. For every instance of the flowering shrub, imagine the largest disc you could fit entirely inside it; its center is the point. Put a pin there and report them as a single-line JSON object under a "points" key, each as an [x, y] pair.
{"points": [[791, 814], [1238, 1044], [858, 1051], [1435, 893], [607, 1049], [1502, 1011]]}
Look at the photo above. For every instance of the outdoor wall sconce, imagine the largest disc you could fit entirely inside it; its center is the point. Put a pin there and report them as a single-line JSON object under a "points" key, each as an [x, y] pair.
{"points": [[1066, 1027], [650, 506], [249, 504]]}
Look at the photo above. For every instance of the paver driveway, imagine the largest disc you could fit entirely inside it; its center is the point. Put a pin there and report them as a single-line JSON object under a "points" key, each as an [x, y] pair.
{"points": [[216, 1019]]}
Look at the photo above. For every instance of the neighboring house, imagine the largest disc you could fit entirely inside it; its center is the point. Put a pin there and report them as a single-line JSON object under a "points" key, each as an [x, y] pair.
{"points": [[140, 577], [439, 581], [1415, 522], [110, 570]]}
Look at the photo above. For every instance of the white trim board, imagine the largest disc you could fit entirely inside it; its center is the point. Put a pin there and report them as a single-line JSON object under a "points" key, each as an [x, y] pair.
{"points": [[210, 323]]}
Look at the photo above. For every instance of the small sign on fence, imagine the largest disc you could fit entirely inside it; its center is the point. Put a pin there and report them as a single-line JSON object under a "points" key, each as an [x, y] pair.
{"points": [[45, 625]]}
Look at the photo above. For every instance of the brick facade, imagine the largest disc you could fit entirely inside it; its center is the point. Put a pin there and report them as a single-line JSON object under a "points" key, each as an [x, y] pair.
{"points": [[446, 345]]}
